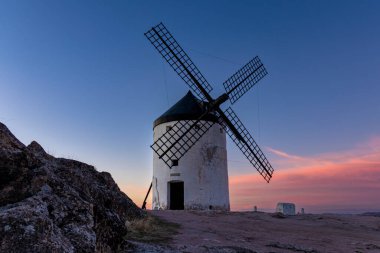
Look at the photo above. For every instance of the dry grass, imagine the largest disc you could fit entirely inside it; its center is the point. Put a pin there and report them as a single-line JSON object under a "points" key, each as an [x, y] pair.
{"points": [[151, 229]]}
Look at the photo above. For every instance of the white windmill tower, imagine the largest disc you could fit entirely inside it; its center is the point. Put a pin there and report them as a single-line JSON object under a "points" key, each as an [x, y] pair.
{"points": [[190, 157], [200, 179]]}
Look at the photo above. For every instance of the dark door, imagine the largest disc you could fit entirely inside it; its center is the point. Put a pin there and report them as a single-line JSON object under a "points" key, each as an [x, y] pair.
{"points": [[176, 195]]}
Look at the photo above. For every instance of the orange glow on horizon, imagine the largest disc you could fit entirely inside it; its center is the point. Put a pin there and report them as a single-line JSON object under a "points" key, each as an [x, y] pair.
{"points": [[137, 194], [346, 181]]}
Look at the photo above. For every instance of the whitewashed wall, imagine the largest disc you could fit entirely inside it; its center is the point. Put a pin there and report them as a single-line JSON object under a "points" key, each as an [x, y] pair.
{"points": [[203, 169]]}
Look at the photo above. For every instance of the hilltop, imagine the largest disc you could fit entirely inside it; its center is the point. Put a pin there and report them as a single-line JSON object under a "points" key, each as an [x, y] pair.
{"points": [[258, 232], [50, 204]]}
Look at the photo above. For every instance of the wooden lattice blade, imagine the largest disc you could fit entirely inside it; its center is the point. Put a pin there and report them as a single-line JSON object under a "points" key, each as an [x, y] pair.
{"points": [[244, 79], [245, 142], [173, 53], [174, 143]]}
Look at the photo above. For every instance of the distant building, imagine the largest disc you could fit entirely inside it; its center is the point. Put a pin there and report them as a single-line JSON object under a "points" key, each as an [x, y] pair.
{"points": [[286, 208], [199, 180]]}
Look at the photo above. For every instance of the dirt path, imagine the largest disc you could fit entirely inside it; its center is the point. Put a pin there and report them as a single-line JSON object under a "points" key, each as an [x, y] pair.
{"points": [[211, 231]]}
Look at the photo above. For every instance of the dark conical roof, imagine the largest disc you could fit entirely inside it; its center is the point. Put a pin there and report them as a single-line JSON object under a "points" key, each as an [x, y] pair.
{"points": [[187, 108]]}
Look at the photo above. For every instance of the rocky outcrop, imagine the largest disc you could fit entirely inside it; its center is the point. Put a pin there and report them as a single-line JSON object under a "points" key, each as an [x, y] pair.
{"points": [[50, 204]]}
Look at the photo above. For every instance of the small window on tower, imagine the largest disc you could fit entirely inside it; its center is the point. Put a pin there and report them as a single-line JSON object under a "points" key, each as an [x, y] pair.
{"points": [[168, 128], [197, 127], [221, 130], [174, 162]]}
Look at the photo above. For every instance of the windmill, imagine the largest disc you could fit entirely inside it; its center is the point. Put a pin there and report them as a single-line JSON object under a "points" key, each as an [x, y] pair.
{"points": [[172, 145]]}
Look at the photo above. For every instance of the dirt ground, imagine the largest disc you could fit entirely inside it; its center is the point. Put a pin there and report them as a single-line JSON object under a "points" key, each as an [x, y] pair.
{"points": [[213, 231]]}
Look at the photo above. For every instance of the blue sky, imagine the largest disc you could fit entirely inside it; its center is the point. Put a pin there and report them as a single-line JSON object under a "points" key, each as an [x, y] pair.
{"points": [[82, 80]]}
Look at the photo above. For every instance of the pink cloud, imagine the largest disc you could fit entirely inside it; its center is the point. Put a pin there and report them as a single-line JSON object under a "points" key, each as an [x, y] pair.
{"points": [[346, 181], [283, 154]]}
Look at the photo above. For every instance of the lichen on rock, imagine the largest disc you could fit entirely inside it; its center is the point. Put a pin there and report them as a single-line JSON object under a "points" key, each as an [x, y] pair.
{"points": [[50, 204]]}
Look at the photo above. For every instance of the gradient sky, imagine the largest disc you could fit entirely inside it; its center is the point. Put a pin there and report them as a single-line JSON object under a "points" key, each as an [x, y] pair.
{"points": [[81, 79]]}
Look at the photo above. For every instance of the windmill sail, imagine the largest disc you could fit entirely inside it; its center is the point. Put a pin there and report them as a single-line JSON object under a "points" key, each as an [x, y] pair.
{"points": [[244, 79], [172, 145], [247, 145], [173, 53]]}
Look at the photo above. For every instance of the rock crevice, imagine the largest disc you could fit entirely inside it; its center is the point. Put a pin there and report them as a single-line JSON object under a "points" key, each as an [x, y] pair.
{"points": [[50, 204]]}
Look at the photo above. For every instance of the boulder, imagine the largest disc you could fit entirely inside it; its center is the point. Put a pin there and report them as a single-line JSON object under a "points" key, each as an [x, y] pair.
{"points": [[50, 204]]}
